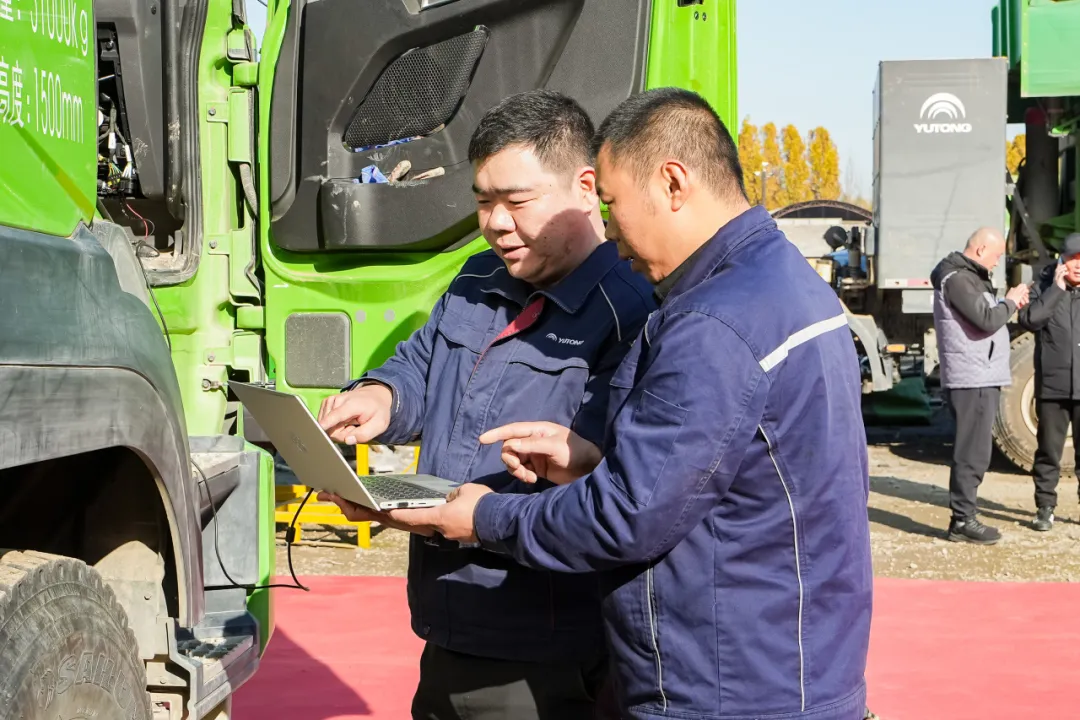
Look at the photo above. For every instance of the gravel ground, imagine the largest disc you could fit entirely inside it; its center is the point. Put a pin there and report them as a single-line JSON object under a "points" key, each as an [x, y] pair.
{"points": [[908, 513]]}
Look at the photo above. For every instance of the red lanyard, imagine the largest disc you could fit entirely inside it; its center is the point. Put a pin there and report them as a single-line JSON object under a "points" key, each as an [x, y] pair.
{"points": [[524, 320]]}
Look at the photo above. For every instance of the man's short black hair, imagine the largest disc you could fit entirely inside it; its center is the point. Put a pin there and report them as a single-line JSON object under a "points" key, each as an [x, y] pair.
{"points": [[555, 127], [664, 123]]}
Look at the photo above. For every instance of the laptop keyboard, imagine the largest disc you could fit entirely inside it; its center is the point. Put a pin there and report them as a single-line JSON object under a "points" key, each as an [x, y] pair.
{"points": [[396, 487]]}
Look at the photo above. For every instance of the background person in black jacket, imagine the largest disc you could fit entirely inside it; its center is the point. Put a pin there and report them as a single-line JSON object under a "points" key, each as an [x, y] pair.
{"points": [[1054, 317]]}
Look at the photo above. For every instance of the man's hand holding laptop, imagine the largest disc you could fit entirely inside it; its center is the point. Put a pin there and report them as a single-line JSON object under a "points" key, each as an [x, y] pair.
{"points": [[354, 418], [531, 450]]}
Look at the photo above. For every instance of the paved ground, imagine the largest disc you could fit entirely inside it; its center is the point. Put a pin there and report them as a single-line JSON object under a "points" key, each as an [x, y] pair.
{"points": [[908, 516]]}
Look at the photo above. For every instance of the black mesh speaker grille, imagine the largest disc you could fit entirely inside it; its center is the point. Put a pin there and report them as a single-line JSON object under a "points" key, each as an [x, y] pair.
{"points": [[417, 92]]}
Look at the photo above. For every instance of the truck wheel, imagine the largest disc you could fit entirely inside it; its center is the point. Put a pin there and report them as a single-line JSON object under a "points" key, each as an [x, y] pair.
{"points": [[1017, 420], [66, 650]]}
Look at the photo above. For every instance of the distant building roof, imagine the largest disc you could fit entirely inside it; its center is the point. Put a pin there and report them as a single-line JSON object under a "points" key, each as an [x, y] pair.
{"points": [[825, 209]]}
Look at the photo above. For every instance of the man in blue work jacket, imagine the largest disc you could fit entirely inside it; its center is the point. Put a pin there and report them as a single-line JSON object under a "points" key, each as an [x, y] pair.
{"points": [[727, 501], [530, 330]]}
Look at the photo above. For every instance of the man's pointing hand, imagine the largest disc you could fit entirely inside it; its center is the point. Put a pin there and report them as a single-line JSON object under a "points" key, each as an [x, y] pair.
{"points": [[533, 450]]}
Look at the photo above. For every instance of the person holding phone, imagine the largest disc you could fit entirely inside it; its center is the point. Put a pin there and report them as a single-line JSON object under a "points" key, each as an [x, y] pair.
{"points": [[1054, 316], [973, 341]]}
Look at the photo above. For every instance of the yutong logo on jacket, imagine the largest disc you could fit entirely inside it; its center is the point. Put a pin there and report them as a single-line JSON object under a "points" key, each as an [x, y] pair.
{"points": [[943, 106], [564, 341]]}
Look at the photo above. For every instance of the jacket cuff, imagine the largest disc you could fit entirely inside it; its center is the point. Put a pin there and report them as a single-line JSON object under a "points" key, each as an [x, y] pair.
{"points": [[365, 380], [492, 518], [393, 432], [589, 429]]}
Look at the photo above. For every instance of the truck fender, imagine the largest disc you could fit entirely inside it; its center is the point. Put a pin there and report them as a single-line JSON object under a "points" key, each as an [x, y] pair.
{"points": [[866, 330]]}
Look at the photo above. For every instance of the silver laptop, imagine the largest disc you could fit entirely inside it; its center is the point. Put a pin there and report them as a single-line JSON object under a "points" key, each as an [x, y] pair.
{"points": [[317, 463]]}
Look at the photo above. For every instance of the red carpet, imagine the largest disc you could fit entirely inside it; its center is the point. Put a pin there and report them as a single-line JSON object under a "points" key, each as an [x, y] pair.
{"points": [[984, 651], [344, 650]]}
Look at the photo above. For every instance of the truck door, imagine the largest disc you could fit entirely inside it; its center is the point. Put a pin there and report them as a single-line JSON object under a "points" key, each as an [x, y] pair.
{"points": [[351, 89], [364, 85]]}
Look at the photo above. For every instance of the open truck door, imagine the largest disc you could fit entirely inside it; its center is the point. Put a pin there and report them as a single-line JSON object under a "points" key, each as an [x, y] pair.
{"points": [[362, 85], [350, 90]]}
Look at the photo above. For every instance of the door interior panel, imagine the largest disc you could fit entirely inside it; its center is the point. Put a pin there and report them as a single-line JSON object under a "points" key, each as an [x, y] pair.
{"points": [[130, 35], [374, 83]]}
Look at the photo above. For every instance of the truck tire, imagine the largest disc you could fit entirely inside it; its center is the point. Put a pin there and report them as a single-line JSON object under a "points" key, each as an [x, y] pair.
{"points": [[1017, 420], [66, 650]]}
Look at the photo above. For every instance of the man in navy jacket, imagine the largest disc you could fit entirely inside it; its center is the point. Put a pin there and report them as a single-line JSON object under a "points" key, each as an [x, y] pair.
{"points": [[531, 330], [726, 504]]}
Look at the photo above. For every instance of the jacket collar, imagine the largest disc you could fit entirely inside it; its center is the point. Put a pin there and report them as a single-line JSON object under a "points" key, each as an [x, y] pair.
{"points": [[703, 262], [570, 293], [663, 288], [962, 260]]}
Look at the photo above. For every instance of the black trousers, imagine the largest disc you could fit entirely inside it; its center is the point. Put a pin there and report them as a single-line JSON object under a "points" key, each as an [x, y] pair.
{"points": [[974, 410], [454, 686], [1054, 419]]}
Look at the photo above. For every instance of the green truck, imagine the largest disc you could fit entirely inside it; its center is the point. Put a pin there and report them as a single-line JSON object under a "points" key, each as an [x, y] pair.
{"points": [[179, 210]]}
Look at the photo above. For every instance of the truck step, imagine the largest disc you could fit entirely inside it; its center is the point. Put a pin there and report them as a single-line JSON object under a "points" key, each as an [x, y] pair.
{"points": [[218, 664], [214, 655]]}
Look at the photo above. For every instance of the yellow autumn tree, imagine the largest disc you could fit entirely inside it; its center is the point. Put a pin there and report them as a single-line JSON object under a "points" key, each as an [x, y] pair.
{"points": [[771, 155], [857, 200], [1015, 151], [796, 179], [750, 156], [824, 166]]}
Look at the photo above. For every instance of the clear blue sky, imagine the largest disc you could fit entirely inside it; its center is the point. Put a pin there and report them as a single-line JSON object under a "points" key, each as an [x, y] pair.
{"points": [[813, 63]]}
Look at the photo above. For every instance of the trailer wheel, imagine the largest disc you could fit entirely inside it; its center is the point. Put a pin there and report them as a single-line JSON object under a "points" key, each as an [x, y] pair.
{"points": [[66, 650], [1017, 419]]}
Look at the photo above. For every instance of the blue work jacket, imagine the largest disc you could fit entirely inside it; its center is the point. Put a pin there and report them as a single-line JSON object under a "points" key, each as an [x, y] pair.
{"points": [[451, 384], [729, 511]]}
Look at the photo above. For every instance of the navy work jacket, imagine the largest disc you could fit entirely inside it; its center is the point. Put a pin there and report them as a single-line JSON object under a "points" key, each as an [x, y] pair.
{"points": [[729, 512], [451, 384]]}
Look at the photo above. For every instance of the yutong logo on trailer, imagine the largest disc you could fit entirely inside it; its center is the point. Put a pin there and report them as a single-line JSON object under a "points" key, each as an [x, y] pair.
{"points": [[943, 106]]}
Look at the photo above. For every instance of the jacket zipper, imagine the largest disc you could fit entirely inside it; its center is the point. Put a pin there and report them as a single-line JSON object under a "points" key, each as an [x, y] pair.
{"points": [[798, 567], [461, 404], [656, 645]]}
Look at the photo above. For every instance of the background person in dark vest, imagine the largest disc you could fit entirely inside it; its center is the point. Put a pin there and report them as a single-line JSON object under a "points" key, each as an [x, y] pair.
{"points": [[973, 343], [1054, 317]]}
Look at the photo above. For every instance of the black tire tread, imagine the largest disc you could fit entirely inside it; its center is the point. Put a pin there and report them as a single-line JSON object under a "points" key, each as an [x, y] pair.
{"points": [[1007, 437], [1014, 442], [25, 573]]}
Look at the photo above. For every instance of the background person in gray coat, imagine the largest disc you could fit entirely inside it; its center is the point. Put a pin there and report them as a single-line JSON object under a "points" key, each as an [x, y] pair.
{"points": [[973, 344], [1054, 317]]}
